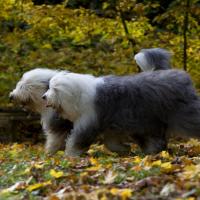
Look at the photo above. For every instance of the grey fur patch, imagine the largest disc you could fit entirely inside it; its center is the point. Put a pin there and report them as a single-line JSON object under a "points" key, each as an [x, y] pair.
{"points": [[148, 107]]}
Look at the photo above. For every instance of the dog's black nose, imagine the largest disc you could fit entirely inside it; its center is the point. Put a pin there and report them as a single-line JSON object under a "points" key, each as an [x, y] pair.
{"points": [[11, 97], [44, 97]]}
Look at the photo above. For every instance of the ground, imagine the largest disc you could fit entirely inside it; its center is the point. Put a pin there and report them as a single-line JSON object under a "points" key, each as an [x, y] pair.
{"points": [[28, 173]]}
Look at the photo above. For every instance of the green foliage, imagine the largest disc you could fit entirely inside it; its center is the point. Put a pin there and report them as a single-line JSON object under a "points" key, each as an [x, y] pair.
{"points": [[79, 40]]}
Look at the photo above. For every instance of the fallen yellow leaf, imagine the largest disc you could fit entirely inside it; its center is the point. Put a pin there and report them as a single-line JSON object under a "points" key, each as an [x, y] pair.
{"points": [[36, 186], [157, 163], [60, 153], [165, 154], [123, 193], [191, 171], [39, 166], [126, 193], [104, 197], [166, 167], [56, 174], [114, 191], [94, 161], [47, 46], [193, 142], [27, 170], [17, 146], [147, 161], [94, 168], [137, 159]]}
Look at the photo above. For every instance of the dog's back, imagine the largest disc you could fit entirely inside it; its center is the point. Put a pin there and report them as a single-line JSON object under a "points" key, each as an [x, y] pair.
{"points": [[141, 101]]}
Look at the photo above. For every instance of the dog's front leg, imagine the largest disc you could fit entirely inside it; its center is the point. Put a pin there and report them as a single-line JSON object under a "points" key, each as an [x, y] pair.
{"points": [[81, 137], [55, 142]]}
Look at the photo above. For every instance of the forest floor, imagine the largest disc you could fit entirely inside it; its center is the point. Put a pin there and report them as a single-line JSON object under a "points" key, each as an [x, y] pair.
{"points": [[26, 172]]}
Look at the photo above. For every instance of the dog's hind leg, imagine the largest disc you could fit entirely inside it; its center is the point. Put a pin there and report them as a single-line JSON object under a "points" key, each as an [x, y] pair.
{"points": [[153, 145], [116, 143], [186, 121]]}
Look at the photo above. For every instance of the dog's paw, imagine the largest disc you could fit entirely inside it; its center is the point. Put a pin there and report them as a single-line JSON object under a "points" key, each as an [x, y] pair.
{"points": [[73, 152]]}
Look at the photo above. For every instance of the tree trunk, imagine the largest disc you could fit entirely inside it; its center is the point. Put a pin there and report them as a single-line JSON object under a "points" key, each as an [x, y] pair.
{"points": [[185, 29]]}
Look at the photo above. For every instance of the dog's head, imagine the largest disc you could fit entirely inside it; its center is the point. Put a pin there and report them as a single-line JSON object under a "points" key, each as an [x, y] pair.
{"points": [[31, 87], [64, 95], [72, 94]]}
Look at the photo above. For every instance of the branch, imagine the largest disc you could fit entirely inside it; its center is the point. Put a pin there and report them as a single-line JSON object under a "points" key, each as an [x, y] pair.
{"points": [[130, 39]]}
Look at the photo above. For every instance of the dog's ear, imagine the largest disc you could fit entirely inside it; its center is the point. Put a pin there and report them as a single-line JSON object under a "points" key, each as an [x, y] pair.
{"points": [[46, 83]]}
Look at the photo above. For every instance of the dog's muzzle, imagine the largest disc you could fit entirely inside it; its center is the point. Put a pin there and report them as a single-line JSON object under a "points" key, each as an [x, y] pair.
{"points": [[11, 97], [44, 97]]}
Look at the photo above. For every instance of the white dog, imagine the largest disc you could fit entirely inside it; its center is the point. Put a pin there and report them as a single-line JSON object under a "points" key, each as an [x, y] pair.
{"points": [[147, 107], [28, 92], [153, 59]]}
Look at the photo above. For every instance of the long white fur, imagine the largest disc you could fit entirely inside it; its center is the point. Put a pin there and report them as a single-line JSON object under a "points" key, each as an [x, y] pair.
{"points": [[69, 87], [76, 102], [33, 84]]}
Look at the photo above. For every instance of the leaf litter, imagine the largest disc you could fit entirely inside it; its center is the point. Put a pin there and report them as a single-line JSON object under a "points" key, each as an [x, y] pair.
{"points": [[28, 173]]}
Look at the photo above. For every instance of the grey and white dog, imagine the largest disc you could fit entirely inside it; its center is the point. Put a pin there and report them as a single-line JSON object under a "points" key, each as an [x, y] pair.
{"points": [[153, 59], [147, 108], [28, 92]]}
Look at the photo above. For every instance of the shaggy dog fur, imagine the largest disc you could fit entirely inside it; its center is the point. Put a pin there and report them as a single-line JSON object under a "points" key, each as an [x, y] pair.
{"points": [[153, 59], [28, 92], [145, 108]]}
